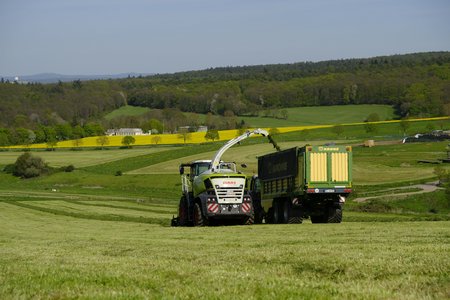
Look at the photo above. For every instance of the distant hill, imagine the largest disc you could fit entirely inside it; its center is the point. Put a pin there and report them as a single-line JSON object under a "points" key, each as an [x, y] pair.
{"points": [[54, 77]]}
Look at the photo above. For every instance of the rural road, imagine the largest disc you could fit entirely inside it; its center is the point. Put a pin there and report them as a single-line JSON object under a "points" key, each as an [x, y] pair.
{"points": [[425, 188]]}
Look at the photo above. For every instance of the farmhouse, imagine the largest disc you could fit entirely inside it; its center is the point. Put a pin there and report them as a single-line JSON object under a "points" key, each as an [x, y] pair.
{"points": [[124, 131]]}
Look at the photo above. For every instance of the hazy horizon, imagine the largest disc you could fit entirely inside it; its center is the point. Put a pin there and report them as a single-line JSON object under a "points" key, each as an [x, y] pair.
{"points": [[166, 36]]}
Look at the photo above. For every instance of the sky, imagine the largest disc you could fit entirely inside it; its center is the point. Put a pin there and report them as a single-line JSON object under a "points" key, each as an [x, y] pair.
{"points": [[92, 37]]}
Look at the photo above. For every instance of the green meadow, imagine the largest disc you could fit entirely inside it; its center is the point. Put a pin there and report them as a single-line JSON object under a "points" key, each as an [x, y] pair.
{"points": [[127, 111], [298, 116]]}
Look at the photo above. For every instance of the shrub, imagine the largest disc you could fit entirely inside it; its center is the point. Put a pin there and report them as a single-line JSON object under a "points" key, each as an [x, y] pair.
{"points": [[119, 173], [69, 168], [27, 166]]}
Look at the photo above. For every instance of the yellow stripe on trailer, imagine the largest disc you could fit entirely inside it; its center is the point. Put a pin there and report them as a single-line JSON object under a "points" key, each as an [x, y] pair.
{"points": [[339, 167], [319, 167]]}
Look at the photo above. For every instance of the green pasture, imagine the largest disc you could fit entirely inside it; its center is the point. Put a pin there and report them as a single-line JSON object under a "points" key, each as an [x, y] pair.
{"points": [[164, 188], [381, 131], [396, 163], [82, 158], [337, 114], [58, 249], [127, 111]]}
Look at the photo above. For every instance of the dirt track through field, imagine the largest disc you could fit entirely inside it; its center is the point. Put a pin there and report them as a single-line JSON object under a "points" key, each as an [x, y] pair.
{"points": [[425, 188]]}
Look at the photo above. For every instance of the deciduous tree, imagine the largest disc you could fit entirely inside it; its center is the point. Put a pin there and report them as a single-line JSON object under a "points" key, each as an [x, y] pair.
{"points": [[128, 141]]}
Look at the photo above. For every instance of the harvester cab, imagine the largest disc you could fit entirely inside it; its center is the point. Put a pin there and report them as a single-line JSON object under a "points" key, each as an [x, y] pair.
{"points": [[214, 190]]}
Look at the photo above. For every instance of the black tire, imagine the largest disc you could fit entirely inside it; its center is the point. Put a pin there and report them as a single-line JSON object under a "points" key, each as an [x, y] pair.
{"points": [[331, 215], [199, 220], [334, 215], [277, 214], [291, 215], [259, 216], [295, 220], [183, 213], [286, 211], [249, 220], [258, 212]]}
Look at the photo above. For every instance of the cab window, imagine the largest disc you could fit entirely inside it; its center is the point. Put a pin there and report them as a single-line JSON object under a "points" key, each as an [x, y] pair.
{"points": [[200, 168]]}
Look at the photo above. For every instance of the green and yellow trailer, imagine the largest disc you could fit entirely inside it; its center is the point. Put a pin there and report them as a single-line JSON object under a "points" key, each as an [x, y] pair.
{"points": [[302, 182]]}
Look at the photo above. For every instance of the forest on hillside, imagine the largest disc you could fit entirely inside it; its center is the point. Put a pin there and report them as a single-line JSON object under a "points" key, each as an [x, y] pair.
{"points": [[414, 84]]}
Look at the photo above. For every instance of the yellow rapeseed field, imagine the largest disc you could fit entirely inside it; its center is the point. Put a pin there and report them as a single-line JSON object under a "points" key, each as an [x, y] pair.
{"points": [[193, 138]]}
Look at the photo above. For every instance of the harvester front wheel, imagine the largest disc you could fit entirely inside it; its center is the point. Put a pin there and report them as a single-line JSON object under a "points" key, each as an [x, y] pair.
{"points": [[199, 220], [249, 220]]}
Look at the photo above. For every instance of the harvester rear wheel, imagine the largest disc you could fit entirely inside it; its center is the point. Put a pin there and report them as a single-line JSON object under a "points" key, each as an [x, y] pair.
{"points": [[259, 216], [199, 220]]}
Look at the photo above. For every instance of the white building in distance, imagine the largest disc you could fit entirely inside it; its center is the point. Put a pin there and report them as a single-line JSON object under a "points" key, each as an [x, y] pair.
{"points": [[124, 131]]}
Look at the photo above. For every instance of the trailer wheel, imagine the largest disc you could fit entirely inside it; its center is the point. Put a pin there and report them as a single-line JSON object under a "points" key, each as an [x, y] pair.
{"points": [[286, 211], [183, 212], [330, 215], [290, 214], [334, 215], [277, 214], [199, 220]]}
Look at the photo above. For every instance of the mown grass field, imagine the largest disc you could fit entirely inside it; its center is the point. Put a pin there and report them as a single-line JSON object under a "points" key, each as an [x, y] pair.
{"points": [[83, 158], [48, 255], [91, 234]]}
